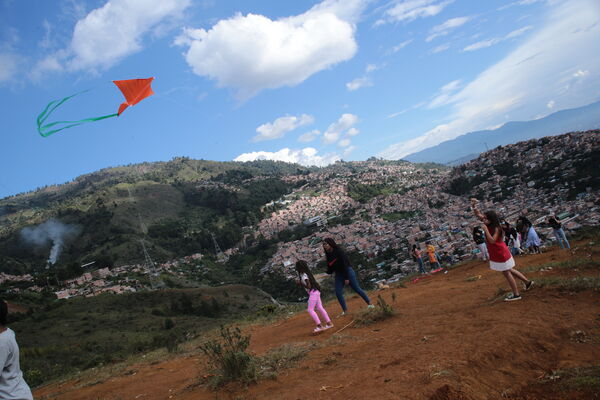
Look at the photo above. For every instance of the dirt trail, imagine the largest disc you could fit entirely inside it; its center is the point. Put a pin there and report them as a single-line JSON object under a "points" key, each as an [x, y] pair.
{"points": [[449, 340]]}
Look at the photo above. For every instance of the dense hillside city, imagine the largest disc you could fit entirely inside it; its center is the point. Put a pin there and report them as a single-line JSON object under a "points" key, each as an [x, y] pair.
{"points": [[375, 208]]}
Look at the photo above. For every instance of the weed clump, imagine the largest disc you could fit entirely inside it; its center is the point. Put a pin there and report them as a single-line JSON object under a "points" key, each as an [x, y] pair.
{"points": [[381, 311], [229, 359]]}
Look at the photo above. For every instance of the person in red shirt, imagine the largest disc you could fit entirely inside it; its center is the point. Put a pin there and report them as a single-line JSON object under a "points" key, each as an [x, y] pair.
{"points": [[500, 257]]}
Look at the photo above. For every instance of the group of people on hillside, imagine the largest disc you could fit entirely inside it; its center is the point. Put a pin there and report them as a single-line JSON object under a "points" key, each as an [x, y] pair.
{"points": [[497, 240], [433, 257], [523, 237]]}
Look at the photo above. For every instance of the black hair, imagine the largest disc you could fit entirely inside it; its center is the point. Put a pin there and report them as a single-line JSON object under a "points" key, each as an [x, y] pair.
{"points": [[494, 220], [302, 268], [3, 312], [414, 246], [331, 242]]}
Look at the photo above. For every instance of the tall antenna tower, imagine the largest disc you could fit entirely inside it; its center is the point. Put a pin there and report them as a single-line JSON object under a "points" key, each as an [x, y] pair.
{"points": [[220, 256], [150, 266]]}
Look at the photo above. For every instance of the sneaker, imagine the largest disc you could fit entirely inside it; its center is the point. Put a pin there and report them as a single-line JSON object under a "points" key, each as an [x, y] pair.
{"points": [[446, 271], [342, 314], [370, 306], [512, 297], [328, 326], [318, 329], [528, 285]]}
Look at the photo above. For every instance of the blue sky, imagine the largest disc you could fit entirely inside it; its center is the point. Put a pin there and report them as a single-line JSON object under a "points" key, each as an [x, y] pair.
{"points": [[302, 81]]}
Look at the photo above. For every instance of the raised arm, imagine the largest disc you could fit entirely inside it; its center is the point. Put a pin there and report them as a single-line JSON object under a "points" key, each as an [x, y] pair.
{"points": [[476, 211]]}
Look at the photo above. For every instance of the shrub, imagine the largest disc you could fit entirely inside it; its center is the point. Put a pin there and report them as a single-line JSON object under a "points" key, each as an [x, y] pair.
{"points": [[169, 323], [381, 311], [229, 359]]}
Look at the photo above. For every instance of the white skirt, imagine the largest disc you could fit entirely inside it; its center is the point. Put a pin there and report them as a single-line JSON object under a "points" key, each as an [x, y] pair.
{"points": [[502, 266]]}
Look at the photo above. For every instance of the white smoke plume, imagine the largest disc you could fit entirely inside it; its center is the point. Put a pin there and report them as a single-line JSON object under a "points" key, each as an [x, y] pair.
{"points": [[51, 231]]}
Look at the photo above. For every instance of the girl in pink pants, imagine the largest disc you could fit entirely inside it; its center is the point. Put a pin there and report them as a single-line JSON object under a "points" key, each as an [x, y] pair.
{"points": [[309, 283]]}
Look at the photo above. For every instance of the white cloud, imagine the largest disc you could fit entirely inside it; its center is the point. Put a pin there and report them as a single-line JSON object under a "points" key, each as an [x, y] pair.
{"points": [[551, 104], [446, 27], [110, 33], [413, 107], [348, 150], [282, 125], [482, 44], [581, 74], [519, 3], [409, 10], [344, 142], [490, 42], [358, 83], [307, 157], [251, 53], [400, 46], [518, 86], [352, 132], [9, 66], [440, 48], [335, 130], [518, 32], [363, 81], [309, 136], [444, 95]]}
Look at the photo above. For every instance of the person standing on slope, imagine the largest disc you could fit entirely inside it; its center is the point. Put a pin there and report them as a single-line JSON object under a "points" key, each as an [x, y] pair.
{"points": [[479, 238], [416, 254], [500, 257], [338, 263], [559, 233], [12, 384], [309, 283]]}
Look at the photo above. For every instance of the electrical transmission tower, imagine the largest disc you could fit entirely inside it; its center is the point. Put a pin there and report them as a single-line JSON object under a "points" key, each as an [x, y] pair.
{"points": [[150, 266], [220, 256]]}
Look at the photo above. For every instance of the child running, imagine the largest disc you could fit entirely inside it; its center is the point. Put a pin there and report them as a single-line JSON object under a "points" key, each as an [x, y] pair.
{"points": [[309, 283], [500, 257]]}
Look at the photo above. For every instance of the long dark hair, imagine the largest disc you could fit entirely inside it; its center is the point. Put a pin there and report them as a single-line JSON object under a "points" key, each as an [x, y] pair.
{"points": [[494, 221], [331, 242], [302, 268]]}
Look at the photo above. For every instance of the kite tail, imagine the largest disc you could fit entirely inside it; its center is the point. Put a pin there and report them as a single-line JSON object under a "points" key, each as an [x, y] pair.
{"points": [[45, 129]]}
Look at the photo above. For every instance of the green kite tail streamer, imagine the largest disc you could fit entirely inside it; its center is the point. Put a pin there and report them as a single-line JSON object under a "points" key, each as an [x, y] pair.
{"points": [[45, 129]]}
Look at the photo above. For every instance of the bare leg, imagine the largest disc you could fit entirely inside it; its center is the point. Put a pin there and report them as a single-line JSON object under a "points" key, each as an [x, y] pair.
{"points": [[511, 282], [518, 275]]}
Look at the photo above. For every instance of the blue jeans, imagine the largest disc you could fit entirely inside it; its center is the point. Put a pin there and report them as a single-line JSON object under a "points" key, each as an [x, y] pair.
{"points": [[421, 267], [560, 236], [339, 287]]}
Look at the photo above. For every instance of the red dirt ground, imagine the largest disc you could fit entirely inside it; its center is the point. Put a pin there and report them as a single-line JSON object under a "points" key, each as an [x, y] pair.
{"points": [[448, 340]]}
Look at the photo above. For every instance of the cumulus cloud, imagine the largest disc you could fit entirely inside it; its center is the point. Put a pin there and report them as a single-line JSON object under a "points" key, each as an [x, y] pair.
{"points": [[335, 130], [110, 33], [363, 81], [358, 83], [250, 53], [490, 42], [446, 27], [309, 136], [307, 157], [282, 125], [409, 10], [518, 86]]}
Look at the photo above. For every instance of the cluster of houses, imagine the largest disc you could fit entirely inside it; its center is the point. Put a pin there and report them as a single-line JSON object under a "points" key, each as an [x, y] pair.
{"points": [[419, 212]]}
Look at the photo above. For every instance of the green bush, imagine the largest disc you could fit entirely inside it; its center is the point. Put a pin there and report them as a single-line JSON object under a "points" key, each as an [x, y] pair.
{"points": [[229, 359]]}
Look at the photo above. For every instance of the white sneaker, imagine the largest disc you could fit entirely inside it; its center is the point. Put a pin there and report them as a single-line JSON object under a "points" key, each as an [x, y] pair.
{"points": [[370, 306]]}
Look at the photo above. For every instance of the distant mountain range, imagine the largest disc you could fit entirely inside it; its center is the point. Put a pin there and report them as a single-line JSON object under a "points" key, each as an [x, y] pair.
{"points": [[468, 146]]}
